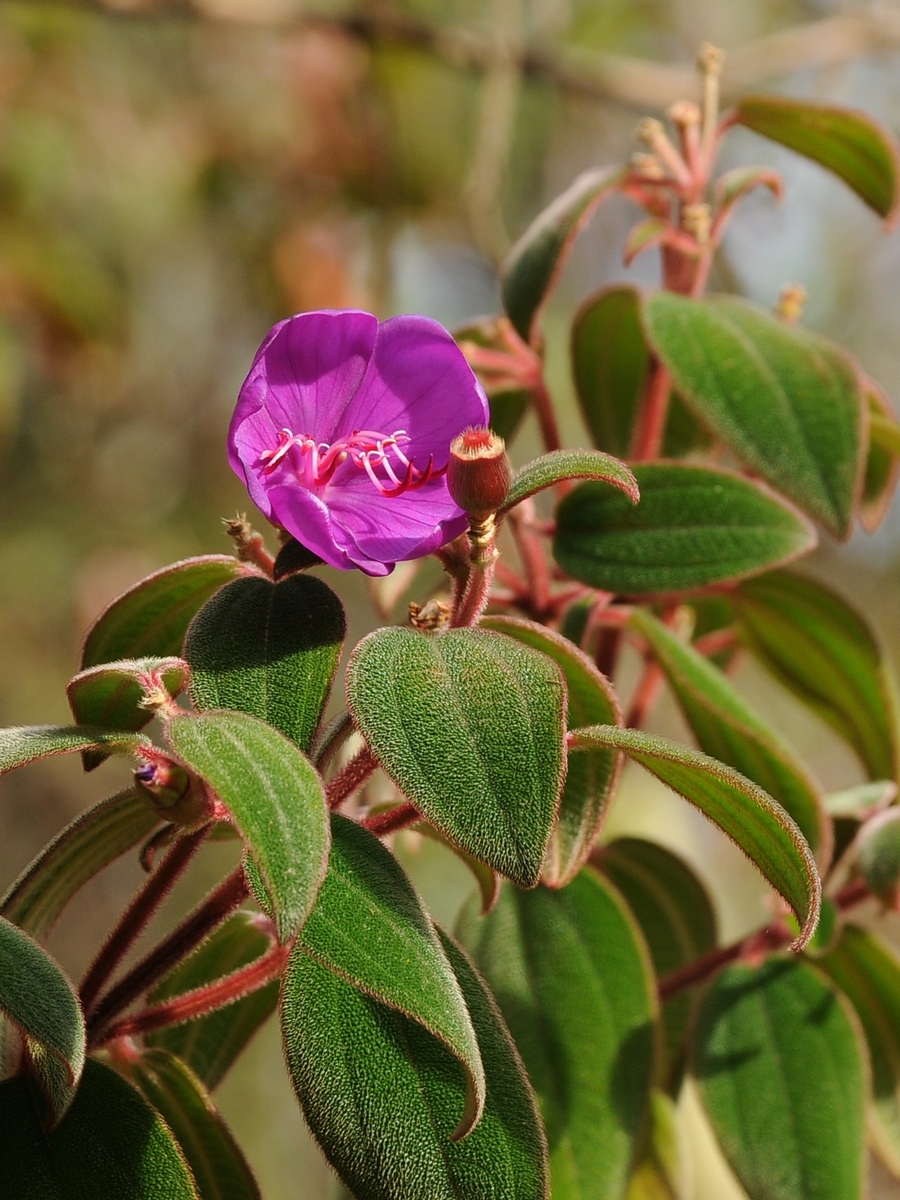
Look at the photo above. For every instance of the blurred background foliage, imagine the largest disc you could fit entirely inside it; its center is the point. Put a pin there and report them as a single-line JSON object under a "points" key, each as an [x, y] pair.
{"points": [[176, 176]]}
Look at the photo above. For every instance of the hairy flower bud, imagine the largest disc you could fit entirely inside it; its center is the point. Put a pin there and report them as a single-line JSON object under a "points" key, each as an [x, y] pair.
{"points": [[478, 474], [172, 793]]}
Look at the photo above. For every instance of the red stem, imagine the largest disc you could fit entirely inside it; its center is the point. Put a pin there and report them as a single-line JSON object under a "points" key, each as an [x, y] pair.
{"points": [[395, 818], [534, 561], [645, 695], [475, 596], [351, 777], [138, 914], [651, 423], [546, 415]]}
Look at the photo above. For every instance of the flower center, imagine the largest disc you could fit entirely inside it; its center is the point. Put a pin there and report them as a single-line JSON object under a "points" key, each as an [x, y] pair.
{"points": [[378, 454]]}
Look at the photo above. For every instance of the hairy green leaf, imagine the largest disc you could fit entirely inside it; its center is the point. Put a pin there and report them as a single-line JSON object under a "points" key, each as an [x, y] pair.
{"points": [[878, 855], [268, 649], [469, 724], [572, 978], [862, 799], [883, 459], [694, 526], [23, 744], [782, 1076], [750, 817], [558, 465]]}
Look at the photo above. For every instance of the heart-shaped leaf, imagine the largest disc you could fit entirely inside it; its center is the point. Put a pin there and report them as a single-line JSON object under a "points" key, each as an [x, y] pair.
{"points": [[393, 953], [823, 651], [572, 978], [846, 142], [787, 402], [538, 257], [152, 616], [395, 1086], [110, 1144], [676, 917], [782, 1076], [40, 1001], [693, 527], [727, 728], [23, 744], [740, 808], [92, 841], [469, 725], [268, 649], [590, 778], [219, 1168], [274, 795], [560, 465]]}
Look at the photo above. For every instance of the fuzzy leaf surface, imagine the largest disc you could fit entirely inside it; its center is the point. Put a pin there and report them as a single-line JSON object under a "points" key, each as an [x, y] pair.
{"points": [[693, 527], [788, 403], [590, 778], [558, 465], [275, 796], [572, 978], [741, 809], [23, 744], [384, 1109], [152, 616], [882, 460], [781, 1071], [268, 649], [110, 1144], [824, 652], [469, 724]]}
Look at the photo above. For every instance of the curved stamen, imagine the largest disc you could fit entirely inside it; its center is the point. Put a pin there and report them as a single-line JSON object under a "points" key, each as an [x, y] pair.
{"points": [[365, 448]]}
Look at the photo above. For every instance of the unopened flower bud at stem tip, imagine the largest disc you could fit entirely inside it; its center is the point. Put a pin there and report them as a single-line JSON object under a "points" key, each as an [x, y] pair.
{"points": [[478, 474]]}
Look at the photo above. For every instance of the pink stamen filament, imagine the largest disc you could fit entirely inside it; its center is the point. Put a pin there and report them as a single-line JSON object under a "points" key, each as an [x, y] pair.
{"points": [[365, 448]]}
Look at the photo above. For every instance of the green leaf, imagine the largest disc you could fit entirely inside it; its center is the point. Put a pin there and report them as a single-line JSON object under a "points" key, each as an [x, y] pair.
{"points": [[219, 1168], [110, 695], [538, 257], [384, 1108], [572, 978], [846, 142], [38, 998], [486, 877], [878, 855], [750, 817], [392, 952], [110, 1145], [23, 744], [823, 651], [727, 728], [734, 185], [693, 527], [868, 973], [152, 616], [275, 797], [862, 799], [469, 725], [782, 1076], [676, 917], [663, 1172], [210, 1044], [268, 649], [591, 777], [293, 557], [558, 465], [788, 403], [883, 460], [92, 841]]}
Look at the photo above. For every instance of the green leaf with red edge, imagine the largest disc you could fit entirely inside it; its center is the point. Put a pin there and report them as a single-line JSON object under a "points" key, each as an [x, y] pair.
{"points": [[210, 1044], [24, 744], [469, 724], [693, 527], [787, 402], [110, 1145], [727, 728], [384, 1109], [38, 998], [883, 459], [572, 977], [274, 795], [734, 185], [219, 1168], [848, 143], [868, 973], [152, 616], [677, 920], [268, 649], [591, 777], [823, 651], [741, 809], [110, 695], [91, 842], [779, 1060], [877, 854], [536, 260], [560, 465]]}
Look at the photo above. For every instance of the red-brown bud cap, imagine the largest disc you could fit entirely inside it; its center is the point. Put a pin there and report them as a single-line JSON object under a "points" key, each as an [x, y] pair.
{"points": [[478, 474]]}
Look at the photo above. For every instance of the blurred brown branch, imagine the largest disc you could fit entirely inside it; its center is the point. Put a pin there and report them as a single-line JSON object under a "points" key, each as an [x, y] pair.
{"points": [[637, 83]]}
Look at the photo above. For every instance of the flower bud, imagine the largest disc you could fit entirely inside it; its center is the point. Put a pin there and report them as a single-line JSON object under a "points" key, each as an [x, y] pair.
{"points": [[478, 474], [171, 792]]}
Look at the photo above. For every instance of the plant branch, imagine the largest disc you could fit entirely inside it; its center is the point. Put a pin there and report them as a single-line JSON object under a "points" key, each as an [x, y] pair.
{"points": [[351, 777], [381, 824], [651, 423]]}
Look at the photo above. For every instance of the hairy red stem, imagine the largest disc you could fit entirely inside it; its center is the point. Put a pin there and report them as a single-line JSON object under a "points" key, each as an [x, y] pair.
{"points": [[651, 423], [351, 777], [396, 818]]}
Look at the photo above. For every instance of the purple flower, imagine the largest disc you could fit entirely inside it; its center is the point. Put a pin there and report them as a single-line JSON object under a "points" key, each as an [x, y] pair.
{"points": [[342, 434]]}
